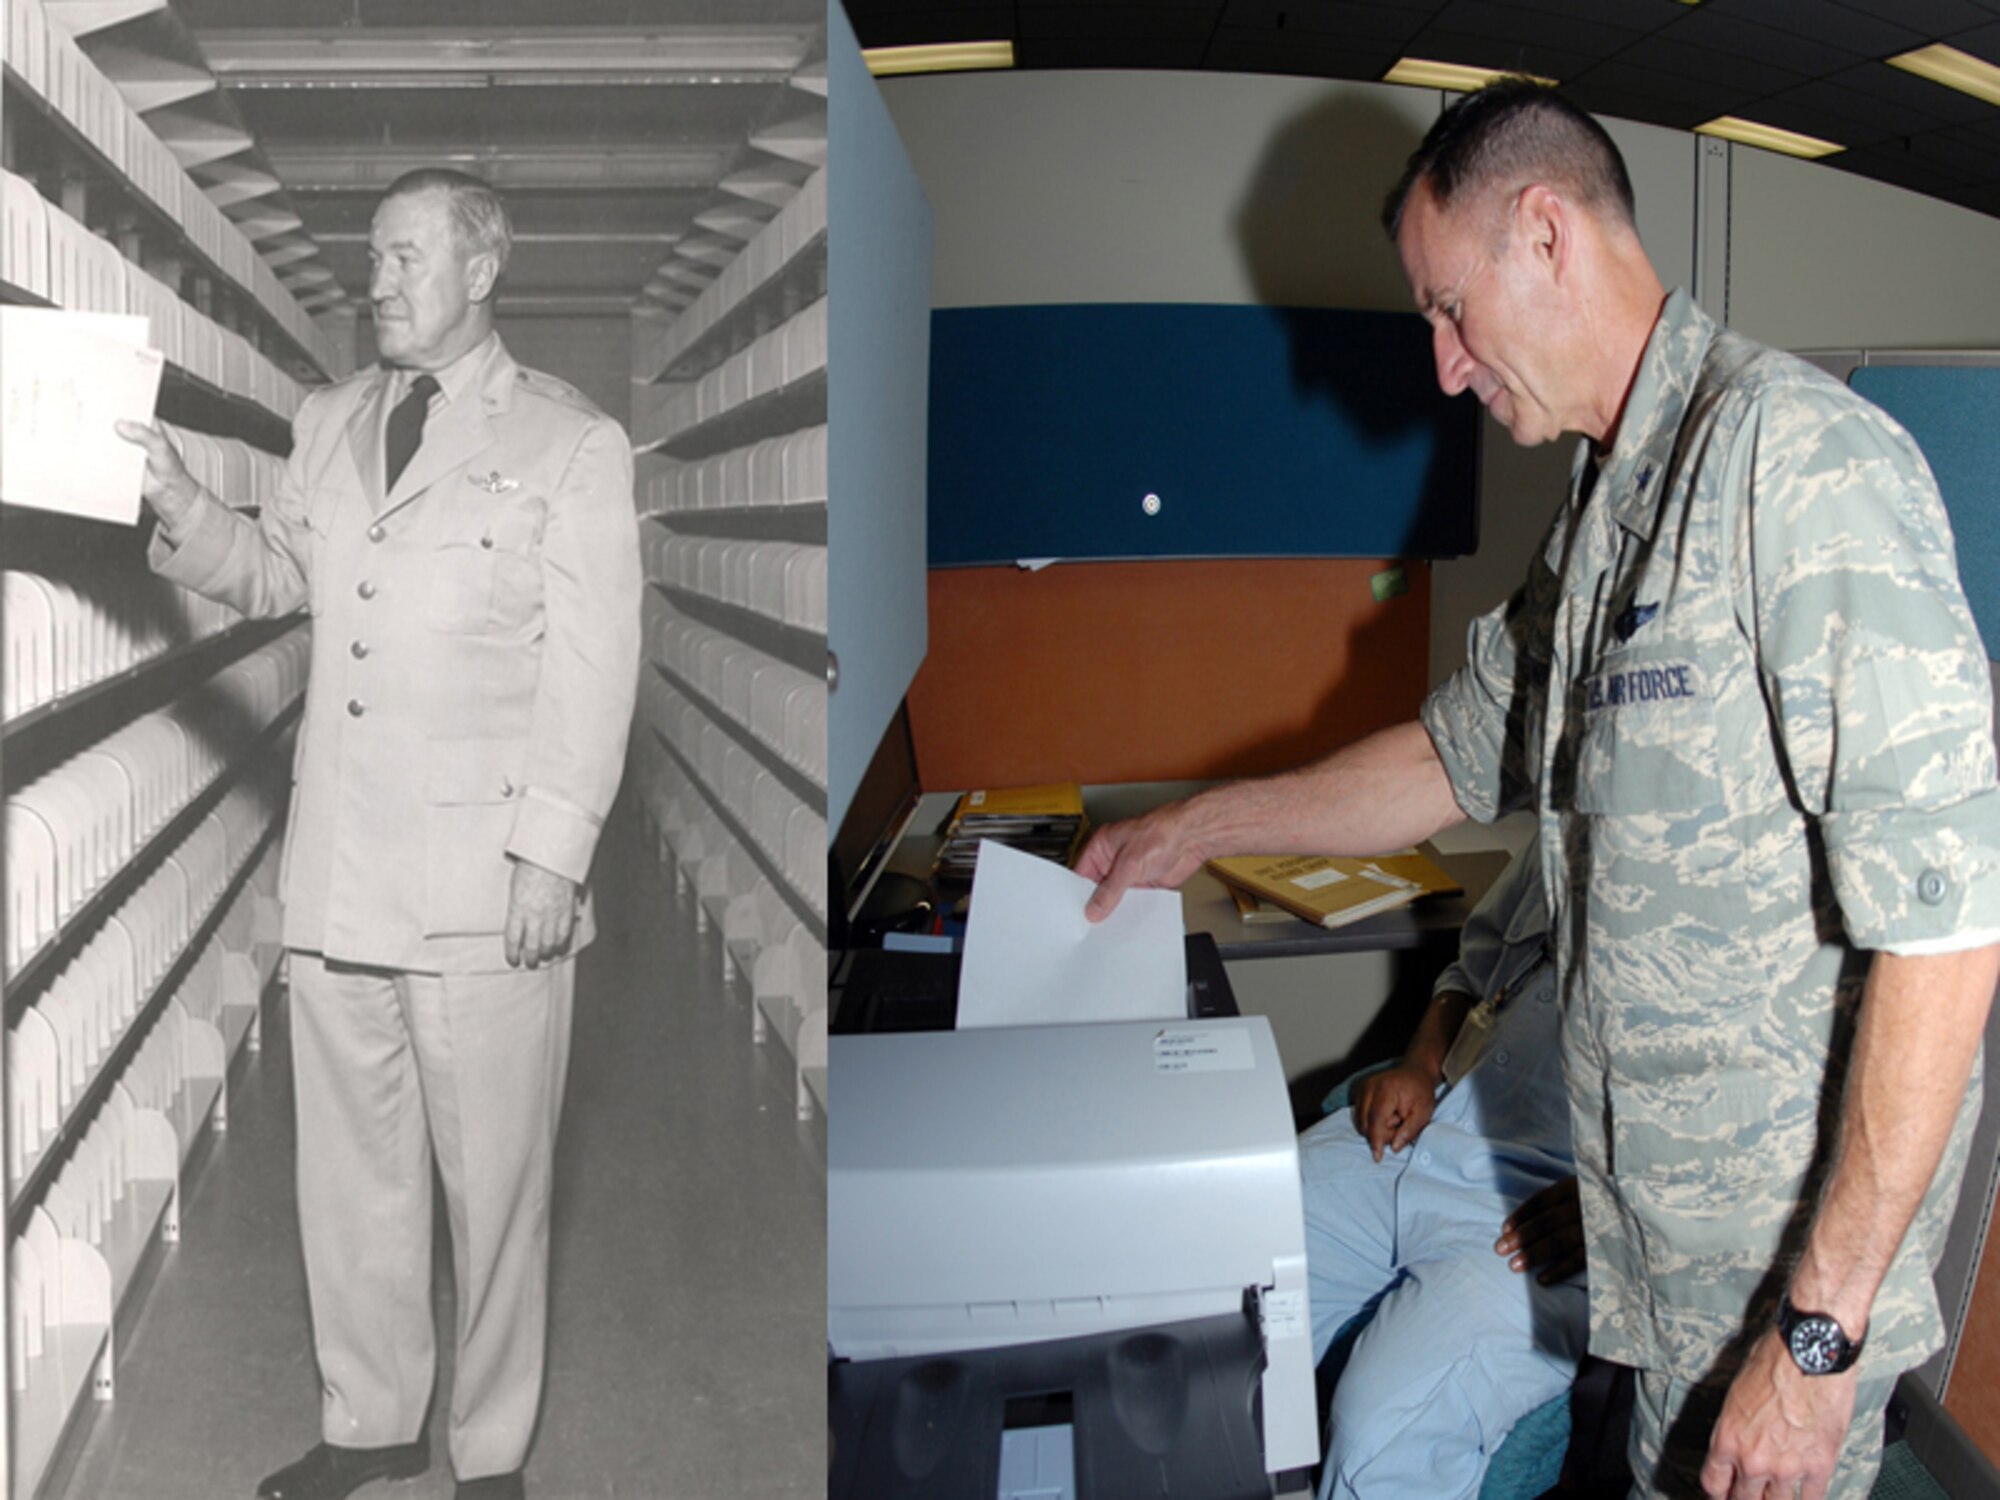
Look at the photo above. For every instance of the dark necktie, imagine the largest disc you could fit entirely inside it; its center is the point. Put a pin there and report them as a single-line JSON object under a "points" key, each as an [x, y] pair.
{"points": [[406, 426]]}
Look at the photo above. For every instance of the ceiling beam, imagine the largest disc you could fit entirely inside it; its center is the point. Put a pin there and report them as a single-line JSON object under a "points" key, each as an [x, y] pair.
{"points": [[228, 183], [648, 164], [81, 17], [585, 237], [195, 139], [691, 55], [148, 82]]}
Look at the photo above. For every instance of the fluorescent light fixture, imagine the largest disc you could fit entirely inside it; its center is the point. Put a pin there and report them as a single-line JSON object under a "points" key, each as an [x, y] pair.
{"points": [[1422, 73], [1952, 68], [941, 57], [1750, 133]]}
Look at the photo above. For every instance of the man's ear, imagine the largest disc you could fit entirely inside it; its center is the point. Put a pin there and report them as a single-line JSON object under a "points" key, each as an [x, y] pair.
{"points": [[1543, 218], [482, 275]]}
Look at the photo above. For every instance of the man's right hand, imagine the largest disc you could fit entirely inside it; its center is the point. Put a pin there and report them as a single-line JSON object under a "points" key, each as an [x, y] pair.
{"points": [[1153, 851], [168, 487], [1392, 1107]]}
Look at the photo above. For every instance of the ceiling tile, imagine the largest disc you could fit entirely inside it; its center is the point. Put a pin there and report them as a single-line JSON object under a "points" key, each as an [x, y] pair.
{"points": [[1138, 22], [1440, 45], [1868, 35], [1742, 78], [914, 27], [1906, 91], [1981, 41], [1664, 86], [1515, 23], [1787, 114], [1381, 23], [1933, 18], [1799, 53], [1841, 102]]}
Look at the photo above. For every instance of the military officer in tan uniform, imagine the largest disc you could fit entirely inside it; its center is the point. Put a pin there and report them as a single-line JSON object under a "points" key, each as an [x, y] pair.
{"points": [[1744, 697], [462, 532]]}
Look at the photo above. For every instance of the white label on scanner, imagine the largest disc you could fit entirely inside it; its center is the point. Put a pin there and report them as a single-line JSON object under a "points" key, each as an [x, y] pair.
{"points": [[1202, 1049]]}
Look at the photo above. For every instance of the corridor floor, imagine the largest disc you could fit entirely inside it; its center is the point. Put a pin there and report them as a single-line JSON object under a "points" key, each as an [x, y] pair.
{"points": [[687, 1339]]}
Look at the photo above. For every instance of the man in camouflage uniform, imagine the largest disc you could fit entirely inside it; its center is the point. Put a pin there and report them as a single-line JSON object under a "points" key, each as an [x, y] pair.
{"points": [[1744, 696]]}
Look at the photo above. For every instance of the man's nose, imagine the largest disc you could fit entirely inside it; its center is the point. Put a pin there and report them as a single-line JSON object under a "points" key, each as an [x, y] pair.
{"points": [[380, 282], [1454, 365]]}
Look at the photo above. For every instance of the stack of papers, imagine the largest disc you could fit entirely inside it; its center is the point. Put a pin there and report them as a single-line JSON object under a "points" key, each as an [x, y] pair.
{"points": [[1046, 821]]}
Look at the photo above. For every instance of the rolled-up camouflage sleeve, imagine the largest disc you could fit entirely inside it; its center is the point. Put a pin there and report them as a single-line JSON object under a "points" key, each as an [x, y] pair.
{"points": [[1485, 719], [1873, 668]]}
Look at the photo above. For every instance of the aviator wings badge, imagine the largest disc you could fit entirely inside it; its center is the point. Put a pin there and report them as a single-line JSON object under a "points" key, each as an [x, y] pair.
{"points": [[492, 483]]}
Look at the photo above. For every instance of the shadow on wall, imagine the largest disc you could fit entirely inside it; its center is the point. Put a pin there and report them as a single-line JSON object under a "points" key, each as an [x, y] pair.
{"points": [[1310, 232], [1309, 225]]}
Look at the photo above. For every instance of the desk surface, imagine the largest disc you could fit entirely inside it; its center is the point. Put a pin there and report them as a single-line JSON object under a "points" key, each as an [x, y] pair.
{"points": [[1206, 906]]}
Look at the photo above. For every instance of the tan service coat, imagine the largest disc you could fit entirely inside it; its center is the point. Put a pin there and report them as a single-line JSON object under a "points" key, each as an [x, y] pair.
{"points": [[474, 660]]}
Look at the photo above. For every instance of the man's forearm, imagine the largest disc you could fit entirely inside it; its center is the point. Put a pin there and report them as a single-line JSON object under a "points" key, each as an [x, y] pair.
{"points": [[1920, 1025], [1439, 1027], [1381, 793]]}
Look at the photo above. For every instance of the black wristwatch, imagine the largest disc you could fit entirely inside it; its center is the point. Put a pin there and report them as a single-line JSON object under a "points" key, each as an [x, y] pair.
{"points": [[1818, 1344]]}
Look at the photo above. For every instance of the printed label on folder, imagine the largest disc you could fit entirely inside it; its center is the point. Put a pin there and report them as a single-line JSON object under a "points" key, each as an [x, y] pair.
{"points": [[1314, 879], [1202, 1049]]}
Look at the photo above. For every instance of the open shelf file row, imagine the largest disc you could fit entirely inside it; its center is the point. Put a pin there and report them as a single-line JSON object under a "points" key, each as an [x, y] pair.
{"points": [[764, 937], [788, 831], [77, 1252], [773, 704], [87, 1010], [773, 473], [782, 263], [784, 582], [791, 353], [45, 60], [49, 255], [730, 411], [73, 828], [63, 633]]}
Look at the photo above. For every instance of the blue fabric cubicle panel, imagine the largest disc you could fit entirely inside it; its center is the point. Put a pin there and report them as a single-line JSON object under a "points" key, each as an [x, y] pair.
{"points": [[1953, 411], [1265, 432]]}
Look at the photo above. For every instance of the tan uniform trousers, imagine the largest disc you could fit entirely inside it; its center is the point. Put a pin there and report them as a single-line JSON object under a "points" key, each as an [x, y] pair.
{"points": [[394, 1071]]}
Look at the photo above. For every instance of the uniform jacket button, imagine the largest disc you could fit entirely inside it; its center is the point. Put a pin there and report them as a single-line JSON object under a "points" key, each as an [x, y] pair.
{"points": [[376, 533], [356, 707], [1932, 887], [359, 650], [366, 589]]}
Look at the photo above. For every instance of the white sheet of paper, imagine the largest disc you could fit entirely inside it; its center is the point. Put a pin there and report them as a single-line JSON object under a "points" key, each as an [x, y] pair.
{"points": [[65, 377], [1032, 958]]}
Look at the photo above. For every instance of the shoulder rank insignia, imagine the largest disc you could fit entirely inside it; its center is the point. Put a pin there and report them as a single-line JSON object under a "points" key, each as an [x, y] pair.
{"points": [[492, 483]]}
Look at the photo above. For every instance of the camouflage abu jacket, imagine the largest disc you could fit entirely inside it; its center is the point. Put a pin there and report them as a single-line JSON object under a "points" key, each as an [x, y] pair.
{"points": [[1744, 694]]}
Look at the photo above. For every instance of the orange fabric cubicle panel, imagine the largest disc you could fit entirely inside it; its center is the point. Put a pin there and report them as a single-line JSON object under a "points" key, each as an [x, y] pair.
{"points": [[1160, 671]]}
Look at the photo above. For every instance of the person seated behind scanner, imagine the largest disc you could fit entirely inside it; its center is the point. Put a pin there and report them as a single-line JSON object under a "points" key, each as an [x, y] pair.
{"points": [[1465, 1138]]}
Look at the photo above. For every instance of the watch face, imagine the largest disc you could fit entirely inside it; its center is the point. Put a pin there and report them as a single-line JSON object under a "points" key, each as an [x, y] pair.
{"points": [[1817, 1344]]}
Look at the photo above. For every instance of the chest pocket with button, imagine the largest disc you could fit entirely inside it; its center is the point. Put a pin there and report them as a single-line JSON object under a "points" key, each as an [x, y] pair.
{"points": [[485, 574]]}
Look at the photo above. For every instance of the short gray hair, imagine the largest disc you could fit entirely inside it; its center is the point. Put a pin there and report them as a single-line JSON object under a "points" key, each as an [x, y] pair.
{"points": [[1512, 132], [479, 219]]}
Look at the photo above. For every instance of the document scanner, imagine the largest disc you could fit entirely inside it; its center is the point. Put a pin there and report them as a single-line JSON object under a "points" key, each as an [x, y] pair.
{"points": [[1066, 1263]]}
